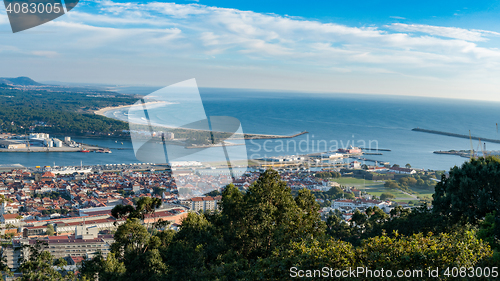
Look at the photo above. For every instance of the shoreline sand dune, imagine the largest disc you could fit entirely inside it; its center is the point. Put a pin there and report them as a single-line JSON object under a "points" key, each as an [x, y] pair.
{"points": [[236, 136], [102, 111]]}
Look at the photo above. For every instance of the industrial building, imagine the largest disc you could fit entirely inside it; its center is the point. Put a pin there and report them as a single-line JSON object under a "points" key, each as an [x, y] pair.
{"points": [[10, 144]]}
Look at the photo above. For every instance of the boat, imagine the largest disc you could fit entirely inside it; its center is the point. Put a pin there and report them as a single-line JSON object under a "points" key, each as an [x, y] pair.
{"points": [[84, 150], [103, 151]]}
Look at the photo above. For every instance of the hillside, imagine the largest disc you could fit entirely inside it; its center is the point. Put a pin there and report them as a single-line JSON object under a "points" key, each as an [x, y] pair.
{"points": [[67, 112], [19, 81]]}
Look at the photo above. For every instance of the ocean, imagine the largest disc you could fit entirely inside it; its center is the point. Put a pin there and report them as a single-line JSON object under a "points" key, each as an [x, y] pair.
{"points": [[332, 120]]}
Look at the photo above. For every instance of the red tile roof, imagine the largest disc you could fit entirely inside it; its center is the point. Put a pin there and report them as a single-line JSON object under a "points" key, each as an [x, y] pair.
{"points": [[48, 174]]}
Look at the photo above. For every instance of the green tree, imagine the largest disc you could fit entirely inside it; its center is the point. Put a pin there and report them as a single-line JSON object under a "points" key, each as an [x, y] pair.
{"points": [[272, 217], [306, 254], [144, 206], [336, 227], [39, 266], [121, 211], [214, 193], [420, 182], [391, 184], [131, 238], [4, 268], [50, 230], [412, 181], [470, 192], [489, 230], [335, 192], [260, 234], [60, 262], [100, 268], [387, 196], [147, 206], [419, 252]]}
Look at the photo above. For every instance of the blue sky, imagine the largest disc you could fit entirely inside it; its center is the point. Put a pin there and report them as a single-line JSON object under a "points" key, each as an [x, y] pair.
{"points": [[423, 48]]}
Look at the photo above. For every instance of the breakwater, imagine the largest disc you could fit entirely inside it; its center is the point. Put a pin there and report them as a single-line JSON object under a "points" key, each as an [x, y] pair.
{"points": [[455, 135], [374, 149], [262, 136]]}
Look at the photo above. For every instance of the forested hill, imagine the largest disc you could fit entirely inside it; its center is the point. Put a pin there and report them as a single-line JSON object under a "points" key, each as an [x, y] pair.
{"points": [[22, 81], [40, 110]]}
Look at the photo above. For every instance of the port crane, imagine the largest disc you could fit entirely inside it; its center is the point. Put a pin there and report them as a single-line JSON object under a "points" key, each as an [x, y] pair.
{"points": [[483, 149], [479, 146], [472, 154]]}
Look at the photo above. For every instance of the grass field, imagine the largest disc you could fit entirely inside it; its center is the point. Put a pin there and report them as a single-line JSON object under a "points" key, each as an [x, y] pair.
{"points": [[424, 192], [377, 188]]}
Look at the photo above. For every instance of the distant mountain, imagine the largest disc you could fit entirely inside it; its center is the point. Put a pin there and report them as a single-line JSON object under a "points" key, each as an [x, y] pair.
{"points": [[21, 81]]}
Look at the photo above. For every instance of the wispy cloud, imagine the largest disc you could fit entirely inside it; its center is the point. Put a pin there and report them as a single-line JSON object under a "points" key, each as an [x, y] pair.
{"points": [[48, 54], [450, 32], [159, 33], [3, 16]]}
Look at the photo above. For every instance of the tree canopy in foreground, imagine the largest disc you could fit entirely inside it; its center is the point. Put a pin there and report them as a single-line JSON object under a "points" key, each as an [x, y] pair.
{"points": [[261, 234]]}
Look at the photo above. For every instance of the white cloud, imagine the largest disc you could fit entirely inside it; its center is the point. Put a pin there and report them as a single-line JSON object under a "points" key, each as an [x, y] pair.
{"points": [[6, 48], [47, 54], [248, 42], [223, 31], [4, 19], [450, 32], [176, 10]]}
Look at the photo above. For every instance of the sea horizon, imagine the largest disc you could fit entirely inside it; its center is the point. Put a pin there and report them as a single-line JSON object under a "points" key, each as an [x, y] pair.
{"points": [[340, 120]]}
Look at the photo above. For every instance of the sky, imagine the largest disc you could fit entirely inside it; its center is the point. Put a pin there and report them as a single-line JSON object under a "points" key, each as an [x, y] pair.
{"points": [[447, 49]]}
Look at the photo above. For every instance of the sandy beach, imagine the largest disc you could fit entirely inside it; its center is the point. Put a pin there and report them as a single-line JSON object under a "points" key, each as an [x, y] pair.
{"points": [[102, 111]]}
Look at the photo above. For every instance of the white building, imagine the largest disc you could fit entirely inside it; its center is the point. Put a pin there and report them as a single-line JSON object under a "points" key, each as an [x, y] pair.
{"points": [[10, 218], [341, 203], [48, 143], [358, 203], [399, 170], [57, 143]]}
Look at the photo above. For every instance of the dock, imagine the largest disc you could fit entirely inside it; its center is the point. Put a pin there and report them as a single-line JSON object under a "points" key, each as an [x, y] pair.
{"points": [[33, 149], [374, 149], [455, 135]]}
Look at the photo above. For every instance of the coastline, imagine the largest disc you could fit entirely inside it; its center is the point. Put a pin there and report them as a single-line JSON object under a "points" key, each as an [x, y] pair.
{"points": [[102, 111], [237, 136]]}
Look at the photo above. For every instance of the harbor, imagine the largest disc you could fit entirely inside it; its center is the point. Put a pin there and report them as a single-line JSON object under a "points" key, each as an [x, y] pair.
{"points": [[42, 142], [83, 148]]}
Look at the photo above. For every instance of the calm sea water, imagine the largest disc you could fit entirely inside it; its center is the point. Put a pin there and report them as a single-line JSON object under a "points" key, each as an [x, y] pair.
{"points": [[332, 120]]}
